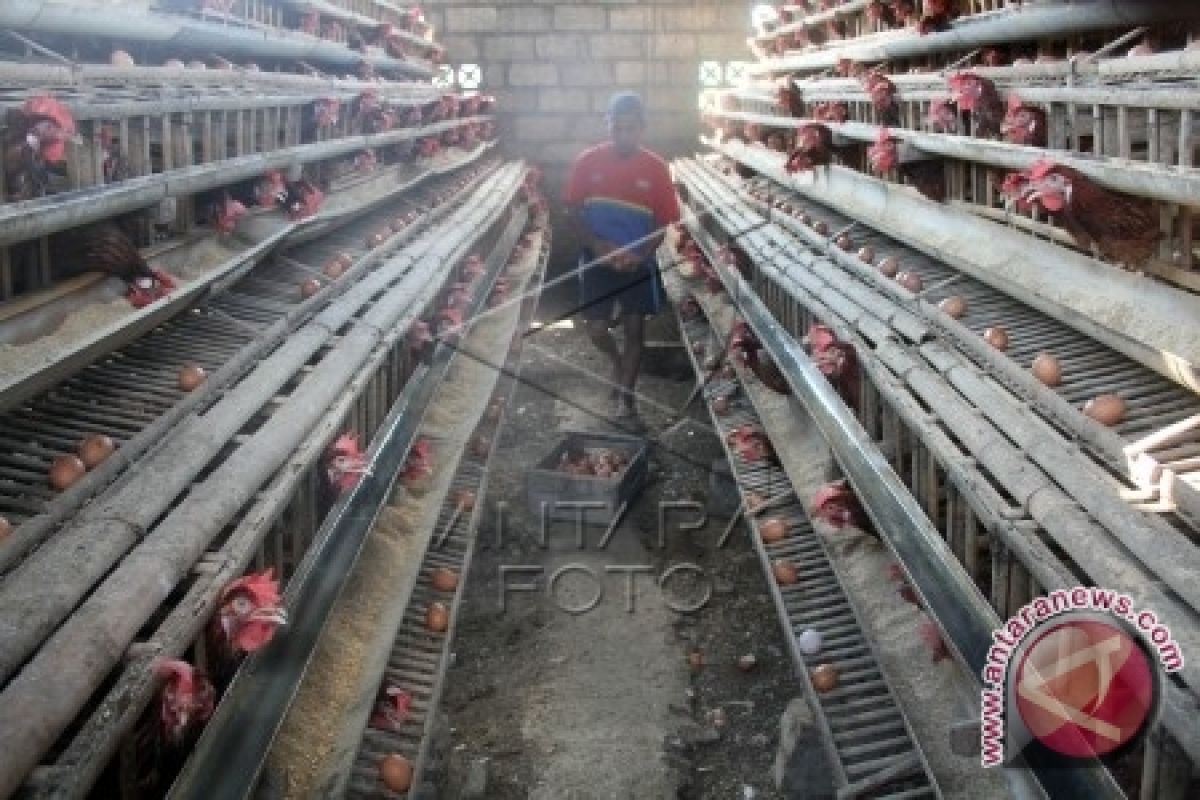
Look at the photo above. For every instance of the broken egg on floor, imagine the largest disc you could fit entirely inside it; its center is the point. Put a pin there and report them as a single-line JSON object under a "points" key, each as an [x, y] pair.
{"points": [[810, 642]]}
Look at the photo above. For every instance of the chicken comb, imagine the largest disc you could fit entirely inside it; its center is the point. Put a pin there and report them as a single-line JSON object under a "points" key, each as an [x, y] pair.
{"points": [[1041, 168], [45, 106], [173, 668], [262, 585], [883, 137], [828, 492], [1014, 101], [346, 443]]}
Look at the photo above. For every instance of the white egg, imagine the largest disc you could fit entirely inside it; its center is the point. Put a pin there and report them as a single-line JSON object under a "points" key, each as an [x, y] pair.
{"points": [[810, 642]]}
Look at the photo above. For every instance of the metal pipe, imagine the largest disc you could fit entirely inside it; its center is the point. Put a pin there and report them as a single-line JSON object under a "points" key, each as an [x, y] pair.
{"points": [[43, 699], [41, 75], [43, 216], [1153, 324], [1041, 21]]}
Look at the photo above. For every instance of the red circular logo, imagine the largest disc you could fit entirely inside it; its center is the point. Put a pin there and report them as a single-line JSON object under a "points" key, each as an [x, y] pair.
{"points": [[1084, 688]]}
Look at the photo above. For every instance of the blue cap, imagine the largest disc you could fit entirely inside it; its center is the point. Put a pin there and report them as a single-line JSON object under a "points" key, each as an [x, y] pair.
{"points": [[627, 103]]}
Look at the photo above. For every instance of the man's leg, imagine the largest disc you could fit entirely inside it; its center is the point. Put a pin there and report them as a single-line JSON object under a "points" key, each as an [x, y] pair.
{"points": [[631, 358], [597, 331]]}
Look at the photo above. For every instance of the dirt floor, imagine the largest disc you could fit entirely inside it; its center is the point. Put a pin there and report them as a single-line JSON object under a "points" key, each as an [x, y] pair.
{"points": [[544, 703]]}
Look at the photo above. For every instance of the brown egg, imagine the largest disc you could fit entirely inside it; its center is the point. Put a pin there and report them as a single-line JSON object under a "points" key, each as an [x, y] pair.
{"points": [[494, 411], [66, 471], [695, 660], [954, 307], [785, 572], [481, 446], [997, 337], [773, 530], [309, 288], [866, 253], [191, 376], [6, 529], [910, 280], [375, 239], [1107, 409], [825, 678], [821, 228], [398, 224], [889, 267], [721, 405], [1047, 369], [844, 242], [437, 618], [396, 772], [333, 269], [747, 662], [94, 449], [444, 580]]}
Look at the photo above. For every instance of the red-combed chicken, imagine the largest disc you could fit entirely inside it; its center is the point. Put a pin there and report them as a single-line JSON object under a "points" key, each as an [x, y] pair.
{"points": [[345, 463], [392, 709], [429, 147], [186, 699], [1120, 227], [310, 23], [448, 322], [732, 255], [897, 576], [1024, 124], [35, 139], [943, 116], [789, 99], [832, 111], [752, 445], [366, 161], [993, 57], [977, 96], [883, 155], [814, 148], [883, 13], [249, 613], [302, 199], [227, 213], [459, 296], [270, 191], [882, 92], [104, 247], [418, 466], [326, 112], [931, 635], [836, 504], [837, 361], [767, 371], [419, 340], [473, 268], [927, 176]]}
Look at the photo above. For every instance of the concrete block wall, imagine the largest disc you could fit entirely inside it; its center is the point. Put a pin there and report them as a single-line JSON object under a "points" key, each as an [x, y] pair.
{"points": [[553, 66]]}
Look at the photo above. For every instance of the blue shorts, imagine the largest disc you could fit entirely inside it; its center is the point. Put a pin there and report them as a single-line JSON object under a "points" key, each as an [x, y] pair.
{"points": [[601, 288]]}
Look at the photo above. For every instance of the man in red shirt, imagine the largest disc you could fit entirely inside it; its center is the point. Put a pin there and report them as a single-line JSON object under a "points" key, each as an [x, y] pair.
{"points": [[620, 199]]}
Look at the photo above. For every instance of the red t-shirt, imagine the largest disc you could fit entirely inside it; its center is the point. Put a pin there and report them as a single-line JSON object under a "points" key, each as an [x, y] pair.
{"points": [[622, 199]]}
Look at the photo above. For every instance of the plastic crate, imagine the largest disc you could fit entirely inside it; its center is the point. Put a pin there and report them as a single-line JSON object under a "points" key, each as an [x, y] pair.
{"points": [[545, 484]]}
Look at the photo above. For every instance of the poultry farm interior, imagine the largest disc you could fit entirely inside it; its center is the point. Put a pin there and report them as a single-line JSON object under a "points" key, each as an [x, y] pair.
{"points": [[315, 479]]}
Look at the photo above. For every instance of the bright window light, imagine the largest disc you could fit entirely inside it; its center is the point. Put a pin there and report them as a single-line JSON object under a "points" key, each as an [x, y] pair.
{"points": [[710, 73]]}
